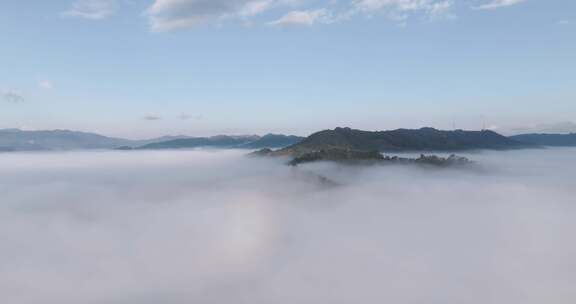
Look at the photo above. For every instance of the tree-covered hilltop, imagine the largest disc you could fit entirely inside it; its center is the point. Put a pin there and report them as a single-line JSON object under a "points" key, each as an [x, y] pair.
{"points": [[355, 157], [424, 139]]}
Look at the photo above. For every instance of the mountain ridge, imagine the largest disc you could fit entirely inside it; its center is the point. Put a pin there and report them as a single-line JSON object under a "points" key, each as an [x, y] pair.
{"points": [[23, 140], [13, 140], [402, 140], [547, 139], [423, 139], [227, 141]]}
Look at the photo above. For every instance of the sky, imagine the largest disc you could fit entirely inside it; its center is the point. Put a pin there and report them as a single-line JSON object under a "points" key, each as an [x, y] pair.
{"points": [[143, 68]]}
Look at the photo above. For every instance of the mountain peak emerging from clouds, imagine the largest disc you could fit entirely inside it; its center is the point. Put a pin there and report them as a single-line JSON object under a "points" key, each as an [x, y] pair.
{"points": [[424, 139]]}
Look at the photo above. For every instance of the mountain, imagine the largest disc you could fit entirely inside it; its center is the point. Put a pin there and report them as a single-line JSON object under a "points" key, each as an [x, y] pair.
{"points": [[562, 127], [19, 140], [220, 141], [273, 141], [141, 142], [425, 139], [12, 140], [226, 141], [555, 140]]}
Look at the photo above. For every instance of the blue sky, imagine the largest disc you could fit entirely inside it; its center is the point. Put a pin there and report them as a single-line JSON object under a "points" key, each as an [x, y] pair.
{"points": [[140, 68]]}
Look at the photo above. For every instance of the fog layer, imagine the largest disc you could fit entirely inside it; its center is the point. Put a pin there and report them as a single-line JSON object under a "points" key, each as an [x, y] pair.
{"points": [[217, 227]]}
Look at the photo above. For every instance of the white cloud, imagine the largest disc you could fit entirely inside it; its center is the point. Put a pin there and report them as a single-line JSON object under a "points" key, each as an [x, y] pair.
{"points": [[253, 8], [182, 227], [11, 96], [152, 117], [303, 18], [92, 9], [499, 3], [166, 15], [402, 5], [46, 84], [440, 8], [564, 22], [401, 9]]}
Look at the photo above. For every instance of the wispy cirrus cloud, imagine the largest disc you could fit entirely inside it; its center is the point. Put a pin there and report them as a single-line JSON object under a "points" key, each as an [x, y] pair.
{"points": [[494, 4], [401, 10], [167, 15], [400, 5], [92, 9], [306, 18]]}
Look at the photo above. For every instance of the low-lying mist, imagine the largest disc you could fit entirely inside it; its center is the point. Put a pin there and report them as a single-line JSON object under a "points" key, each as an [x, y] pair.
{"points": [[181, 227]]}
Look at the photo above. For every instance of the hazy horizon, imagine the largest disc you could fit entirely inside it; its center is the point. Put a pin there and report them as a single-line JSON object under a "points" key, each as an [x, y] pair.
{"points": [[560, 128]]}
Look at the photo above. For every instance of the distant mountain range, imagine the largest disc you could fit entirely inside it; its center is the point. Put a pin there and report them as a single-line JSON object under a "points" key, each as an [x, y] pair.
{"points": [[274, 141], [553, 140], [220, 141], [425, 139], [225, 141], [20, 140]]}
